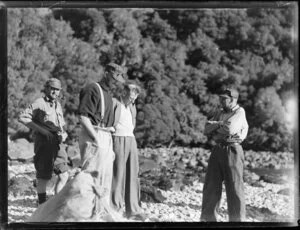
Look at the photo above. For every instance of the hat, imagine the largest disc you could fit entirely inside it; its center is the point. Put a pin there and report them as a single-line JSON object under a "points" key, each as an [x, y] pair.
{"points": [[117, 69], [230, 93], [53, 82], [134, 87]]}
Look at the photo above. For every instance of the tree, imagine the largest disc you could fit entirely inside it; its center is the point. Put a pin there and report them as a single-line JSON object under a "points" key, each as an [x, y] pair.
{"points": [[29, 60]]}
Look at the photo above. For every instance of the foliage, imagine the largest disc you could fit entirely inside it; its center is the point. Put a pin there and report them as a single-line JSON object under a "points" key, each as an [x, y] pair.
{"points": [[180, 58]]}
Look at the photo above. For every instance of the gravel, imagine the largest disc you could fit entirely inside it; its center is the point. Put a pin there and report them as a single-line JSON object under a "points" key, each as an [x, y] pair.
{"points": [[264, 204]]}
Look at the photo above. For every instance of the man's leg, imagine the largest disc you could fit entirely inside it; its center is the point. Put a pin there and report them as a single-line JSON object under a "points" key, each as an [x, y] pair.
{"points": [[41, 186], [212, 190], [132, 193], [119, 173], [234, 184], [43, 162]]}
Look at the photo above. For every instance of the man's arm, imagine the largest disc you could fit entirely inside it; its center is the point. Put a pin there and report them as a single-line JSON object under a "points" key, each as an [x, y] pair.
{"points": [[236, 126], [87, 124], [26, 118], [210, 127]]}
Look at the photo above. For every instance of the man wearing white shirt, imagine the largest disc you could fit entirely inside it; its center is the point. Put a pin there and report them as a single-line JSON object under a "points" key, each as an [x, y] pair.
{"points": [[228, 127], [125, 183]]}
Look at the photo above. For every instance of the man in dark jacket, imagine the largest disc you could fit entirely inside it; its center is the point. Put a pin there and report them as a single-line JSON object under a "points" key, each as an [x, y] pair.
{"points": [[125, 183]]}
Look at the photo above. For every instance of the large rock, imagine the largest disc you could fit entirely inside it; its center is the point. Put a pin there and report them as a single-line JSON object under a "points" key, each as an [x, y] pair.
{"points": [[147, 164], [20, 185], [20, 149]]}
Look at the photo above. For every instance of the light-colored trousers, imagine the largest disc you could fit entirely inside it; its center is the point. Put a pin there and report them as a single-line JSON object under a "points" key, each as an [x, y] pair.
{"points": [[99, 159]]}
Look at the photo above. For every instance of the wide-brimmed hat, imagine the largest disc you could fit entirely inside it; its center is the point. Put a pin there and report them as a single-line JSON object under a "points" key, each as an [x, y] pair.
{"points": [[229, 93], [115, 68], [53, 82]]}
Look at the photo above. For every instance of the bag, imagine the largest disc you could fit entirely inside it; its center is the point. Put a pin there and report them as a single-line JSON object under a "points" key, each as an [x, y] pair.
{"points": [[83, 198], [78, 201]]}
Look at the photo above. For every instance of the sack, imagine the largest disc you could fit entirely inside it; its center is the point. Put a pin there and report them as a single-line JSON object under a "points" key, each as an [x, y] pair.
{"points": [[77, 201], [83, 198]]}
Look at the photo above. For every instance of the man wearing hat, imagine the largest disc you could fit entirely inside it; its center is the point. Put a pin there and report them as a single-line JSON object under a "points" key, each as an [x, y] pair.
{"points": [[228, 127], [97, 117], [45, 117], [125, 183]]}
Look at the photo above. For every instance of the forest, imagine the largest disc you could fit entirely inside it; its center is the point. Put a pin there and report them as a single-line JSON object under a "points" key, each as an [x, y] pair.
{"points": [[181, 58]]}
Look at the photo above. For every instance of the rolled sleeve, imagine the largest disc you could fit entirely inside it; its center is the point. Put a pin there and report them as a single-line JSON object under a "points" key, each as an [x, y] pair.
{"points": [[27, 115], [88, 101], [237, 125]]}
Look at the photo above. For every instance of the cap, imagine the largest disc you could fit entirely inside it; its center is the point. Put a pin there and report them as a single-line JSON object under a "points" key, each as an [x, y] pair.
{"points": [[53, 82], [230, 93], [117, 69]]}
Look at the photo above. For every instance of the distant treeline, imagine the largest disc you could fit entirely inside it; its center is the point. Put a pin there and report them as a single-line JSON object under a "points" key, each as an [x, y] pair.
{"points": [[181, 59]]}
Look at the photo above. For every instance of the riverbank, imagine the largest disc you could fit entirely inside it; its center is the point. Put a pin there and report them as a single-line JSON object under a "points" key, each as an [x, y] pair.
{"points": [[178, 175]]}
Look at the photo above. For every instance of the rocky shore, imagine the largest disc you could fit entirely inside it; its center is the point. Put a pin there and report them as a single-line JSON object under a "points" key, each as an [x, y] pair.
{"points": [[172, 186]]}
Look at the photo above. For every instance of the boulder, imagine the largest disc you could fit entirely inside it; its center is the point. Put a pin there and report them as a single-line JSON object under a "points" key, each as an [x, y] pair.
{"points": [[272, 179], [20, 149], [165, 184], [250, 177], [147, 164], [151, 194], [20, 185], [285, 191]]}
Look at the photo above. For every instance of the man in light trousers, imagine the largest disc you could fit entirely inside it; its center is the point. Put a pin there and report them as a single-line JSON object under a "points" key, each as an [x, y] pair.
{"points": [[96, 117]]}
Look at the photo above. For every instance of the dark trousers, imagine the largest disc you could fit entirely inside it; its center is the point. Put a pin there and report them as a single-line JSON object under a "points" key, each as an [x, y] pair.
{"points": [[125, 182], [225, 164]]}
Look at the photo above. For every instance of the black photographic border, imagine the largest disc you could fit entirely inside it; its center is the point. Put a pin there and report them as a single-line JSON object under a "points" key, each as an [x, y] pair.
{"points": [[125, 4]]}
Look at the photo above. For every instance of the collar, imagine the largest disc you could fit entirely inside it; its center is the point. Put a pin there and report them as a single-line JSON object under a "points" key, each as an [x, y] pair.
{"points": [[47, 99], [235, 108], [232, 109], [121, 100]]}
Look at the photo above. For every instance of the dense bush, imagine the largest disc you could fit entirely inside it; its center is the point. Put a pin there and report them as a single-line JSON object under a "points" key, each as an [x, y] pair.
{"points": [[181, 58]]}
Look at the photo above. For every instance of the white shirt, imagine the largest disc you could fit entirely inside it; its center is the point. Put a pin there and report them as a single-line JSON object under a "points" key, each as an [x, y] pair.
{"points": [[237, 124], [124, 127]]}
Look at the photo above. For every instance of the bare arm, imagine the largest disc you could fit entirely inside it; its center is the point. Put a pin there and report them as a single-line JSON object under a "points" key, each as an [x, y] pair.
{"points": [[87, 124]]}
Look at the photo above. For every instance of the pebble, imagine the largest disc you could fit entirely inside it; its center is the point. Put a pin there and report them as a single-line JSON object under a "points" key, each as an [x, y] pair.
{"points": [[180, 206]]}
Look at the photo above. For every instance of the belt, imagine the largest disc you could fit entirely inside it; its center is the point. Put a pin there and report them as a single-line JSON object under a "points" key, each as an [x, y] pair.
{"points": [[226, 144]]}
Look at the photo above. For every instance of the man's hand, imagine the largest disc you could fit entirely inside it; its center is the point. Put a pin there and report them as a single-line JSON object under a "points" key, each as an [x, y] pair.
{"points": [[62, 136], [111, 129], [212, 122], [219, 123], [223, 123]]}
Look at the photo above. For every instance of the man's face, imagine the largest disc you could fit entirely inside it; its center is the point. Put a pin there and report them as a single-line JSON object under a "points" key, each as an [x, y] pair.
{"points": [[114, 86], [52, 92], [130, 95], [112, 83], [227, 102]]}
